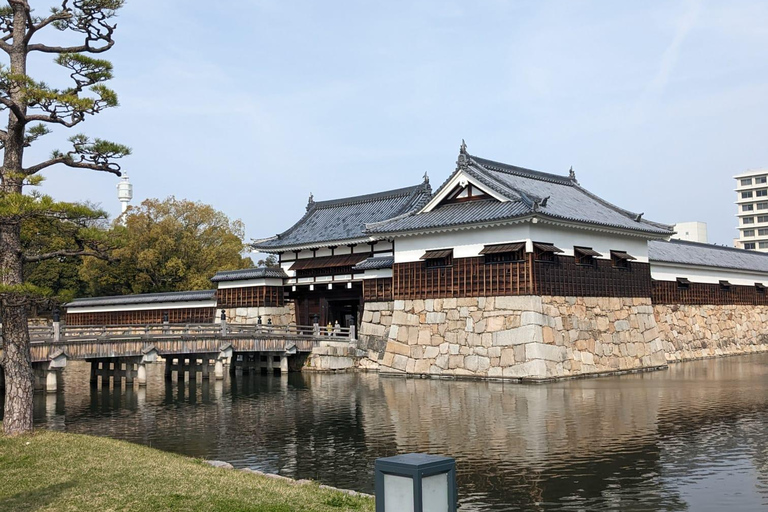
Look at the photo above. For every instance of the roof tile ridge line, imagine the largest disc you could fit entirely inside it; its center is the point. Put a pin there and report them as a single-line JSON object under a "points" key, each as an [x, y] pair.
{"points": [[708, 265], [408, 204], [627, 213], [412, 207], [715, 246], [146, 295], [554, 216], [364, 198], [491, 201], [501, 187], [419, 197], [517, 170]]}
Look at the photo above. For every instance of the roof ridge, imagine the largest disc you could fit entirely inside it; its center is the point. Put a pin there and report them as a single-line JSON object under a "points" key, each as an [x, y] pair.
{"points": [[522, 171], [153, 294], [367, 197]]}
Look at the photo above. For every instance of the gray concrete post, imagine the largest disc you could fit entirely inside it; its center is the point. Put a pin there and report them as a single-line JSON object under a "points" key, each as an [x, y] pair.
{"points": [[56, 332], [218, 369]]}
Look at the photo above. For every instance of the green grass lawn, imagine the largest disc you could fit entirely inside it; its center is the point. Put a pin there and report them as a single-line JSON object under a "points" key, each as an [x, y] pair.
{"points": [[64, 472]]}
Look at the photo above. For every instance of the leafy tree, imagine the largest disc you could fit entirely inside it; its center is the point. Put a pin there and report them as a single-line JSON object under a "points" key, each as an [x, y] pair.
{"points": [[270, 261], [32, 107], [59, 277], [169, 245]]}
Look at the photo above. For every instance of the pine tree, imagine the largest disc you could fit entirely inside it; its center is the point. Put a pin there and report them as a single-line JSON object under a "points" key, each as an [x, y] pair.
{"points": [[33, 107]]}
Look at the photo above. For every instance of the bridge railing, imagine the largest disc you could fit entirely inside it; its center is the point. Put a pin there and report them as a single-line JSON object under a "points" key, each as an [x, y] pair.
{"points": [[44, 334]]}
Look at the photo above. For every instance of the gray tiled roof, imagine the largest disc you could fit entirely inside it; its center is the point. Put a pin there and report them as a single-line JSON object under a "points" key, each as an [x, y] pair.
{"points": [[144, 298], [345, 219], [249, 273], [454, 215], [707, 255], [526, 191], [376, 263]]}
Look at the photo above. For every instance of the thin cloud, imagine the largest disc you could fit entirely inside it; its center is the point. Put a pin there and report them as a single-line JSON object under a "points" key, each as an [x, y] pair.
{"points": [[672, 53]]}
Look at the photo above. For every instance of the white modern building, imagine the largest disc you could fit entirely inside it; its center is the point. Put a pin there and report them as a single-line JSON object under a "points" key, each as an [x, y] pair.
{"points": [[691, 232], [752, 210]]}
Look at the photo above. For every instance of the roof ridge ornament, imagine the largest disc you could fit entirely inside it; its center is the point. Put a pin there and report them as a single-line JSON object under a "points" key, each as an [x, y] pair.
{"points": [[639, 217], [463, 161], [311, 201], [426, 178], [572, 175]]}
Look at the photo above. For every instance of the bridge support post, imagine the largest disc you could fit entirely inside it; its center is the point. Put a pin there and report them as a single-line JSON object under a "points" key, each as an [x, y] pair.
{"points": [[218, 369], [141, 374], [50, 381], [270, 364], [283, 365], [129, 373]]}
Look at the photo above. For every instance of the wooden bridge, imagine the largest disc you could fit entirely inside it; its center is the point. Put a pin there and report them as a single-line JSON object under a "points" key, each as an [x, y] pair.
{"points": [[120, 352]]}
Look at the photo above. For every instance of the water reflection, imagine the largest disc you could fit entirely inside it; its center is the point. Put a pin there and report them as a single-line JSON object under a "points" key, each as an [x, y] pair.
{"points": [[692, 437]]}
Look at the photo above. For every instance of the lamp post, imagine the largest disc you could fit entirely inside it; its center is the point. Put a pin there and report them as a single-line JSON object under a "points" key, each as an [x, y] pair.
{"points": [[416, 482]]}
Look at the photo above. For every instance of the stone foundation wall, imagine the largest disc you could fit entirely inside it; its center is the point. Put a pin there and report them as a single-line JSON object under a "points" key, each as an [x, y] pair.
{"points": [[530, 337], [283, 315], [699, 331]]}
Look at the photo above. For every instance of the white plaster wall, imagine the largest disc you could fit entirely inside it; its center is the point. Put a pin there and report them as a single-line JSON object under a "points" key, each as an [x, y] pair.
{"points": [[379, 273], [469, 242], [143, 307], [251, 282], [670, 272]]}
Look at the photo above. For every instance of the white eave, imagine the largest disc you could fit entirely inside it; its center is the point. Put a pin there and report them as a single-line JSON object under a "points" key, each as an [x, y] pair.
{"points": [[534, 219]]}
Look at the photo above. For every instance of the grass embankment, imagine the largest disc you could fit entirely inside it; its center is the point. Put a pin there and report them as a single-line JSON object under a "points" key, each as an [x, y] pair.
{"points": [[64, 472]]}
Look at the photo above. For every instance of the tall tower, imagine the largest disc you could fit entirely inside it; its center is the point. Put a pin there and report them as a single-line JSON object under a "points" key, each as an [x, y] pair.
{"points": [[124, 192]]}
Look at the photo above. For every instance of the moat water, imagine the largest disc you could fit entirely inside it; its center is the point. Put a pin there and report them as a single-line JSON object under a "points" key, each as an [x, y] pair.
{"points": [[694, 437]]}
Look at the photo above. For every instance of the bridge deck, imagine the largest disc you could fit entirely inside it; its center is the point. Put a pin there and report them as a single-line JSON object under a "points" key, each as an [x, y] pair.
{"points": [[96, 342]]}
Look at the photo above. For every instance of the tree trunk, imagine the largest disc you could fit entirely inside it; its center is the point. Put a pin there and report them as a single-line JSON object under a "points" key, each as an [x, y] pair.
{"points": [[18, 371], [16, 359]]}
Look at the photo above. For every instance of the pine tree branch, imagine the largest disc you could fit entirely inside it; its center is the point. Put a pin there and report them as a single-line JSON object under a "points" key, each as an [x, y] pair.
{"points": [[70, 49], [14, 108], [44, 165], [65, 254], [61, 15], [54, 119]]}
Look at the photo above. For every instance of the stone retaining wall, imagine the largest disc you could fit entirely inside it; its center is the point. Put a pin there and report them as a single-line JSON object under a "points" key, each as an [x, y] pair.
{"points": [[699, 331], [283, 315], [522, 337]]}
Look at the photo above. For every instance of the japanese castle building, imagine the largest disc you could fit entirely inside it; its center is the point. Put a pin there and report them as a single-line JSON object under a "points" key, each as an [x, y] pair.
{"points": [[502, 272]]}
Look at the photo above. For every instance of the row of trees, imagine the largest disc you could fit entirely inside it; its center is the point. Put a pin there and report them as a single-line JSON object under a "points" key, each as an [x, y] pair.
{"points": [[157, 246]]}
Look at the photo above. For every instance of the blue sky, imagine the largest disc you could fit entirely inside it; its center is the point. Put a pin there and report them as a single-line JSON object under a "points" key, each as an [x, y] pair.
{"points": [[251, 105]]}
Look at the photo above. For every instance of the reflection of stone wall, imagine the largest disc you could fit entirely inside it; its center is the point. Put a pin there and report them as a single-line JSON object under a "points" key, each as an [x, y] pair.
{"points": [[283, 315], [692, 332], [514, 337]]}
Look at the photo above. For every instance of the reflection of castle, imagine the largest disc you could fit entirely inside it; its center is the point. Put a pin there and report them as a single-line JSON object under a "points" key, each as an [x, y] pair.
{"points": [[501, 272]]}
